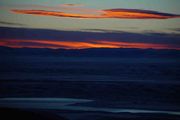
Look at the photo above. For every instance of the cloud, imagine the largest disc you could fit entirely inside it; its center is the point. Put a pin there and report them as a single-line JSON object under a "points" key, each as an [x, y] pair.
{"points": [[175, 29], [11, 23], [54, 44], [117, 13], [14, 43], [54, 13], [71, 5], [108, 30], [44, 38], [137, 14]]}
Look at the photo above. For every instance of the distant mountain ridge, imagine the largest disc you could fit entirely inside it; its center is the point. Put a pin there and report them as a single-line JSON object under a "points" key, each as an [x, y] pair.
{"points": [[92, 52]]}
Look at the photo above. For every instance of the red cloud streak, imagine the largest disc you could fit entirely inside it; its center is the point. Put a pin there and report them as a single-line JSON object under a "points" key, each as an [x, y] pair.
{"points": [[107, 13], [79, 45]]}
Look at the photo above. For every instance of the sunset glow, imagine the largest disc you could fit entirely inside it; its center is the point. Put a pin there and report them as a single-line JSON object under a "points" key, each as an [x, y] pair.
{"points": [[81, 25], [90, 59], [109, 13], [79, 45]]}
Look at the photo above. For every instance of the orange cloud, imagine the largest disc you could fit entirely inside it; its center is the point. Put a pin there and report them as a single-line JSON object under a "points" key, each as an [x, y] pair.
{"points": [[56, 44], [53, 13], [137, 45], [136, 14], [79, 45], [107, 13]]}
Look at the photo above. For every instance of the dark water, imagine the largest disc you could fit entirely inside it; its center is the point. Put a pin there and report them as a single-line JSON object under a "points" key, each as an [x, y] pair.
{"points": [[118, 83]]}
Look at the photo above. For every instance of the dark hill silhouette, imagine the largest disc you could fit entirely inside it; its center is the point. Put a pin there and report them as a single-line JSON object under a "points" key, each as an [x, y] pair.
{"points": [[92, 52], [18, 114]]}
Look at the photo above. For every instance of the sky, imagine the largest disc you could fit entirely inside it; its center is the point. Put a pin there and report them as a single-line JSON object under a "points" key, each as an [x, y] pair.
{"points": [[76, 24]]}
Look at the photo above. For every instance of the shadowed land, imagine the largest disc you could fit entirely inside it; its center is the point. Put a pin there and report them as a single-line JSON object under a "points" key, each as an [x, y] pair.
{"points": [[21, 114]]}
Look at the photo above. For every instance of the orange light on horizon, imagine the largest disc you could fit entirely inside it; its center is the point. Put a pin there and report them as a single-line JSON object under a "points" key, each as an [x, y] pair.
{"points": [[80, 45], [136, 45], [57, 44]]}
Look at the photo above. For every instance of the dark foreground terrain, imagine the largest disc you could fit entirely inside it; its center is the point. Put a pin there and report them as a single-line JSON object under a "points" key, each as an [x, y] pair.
{"points": [[117, 82], [122, 94], [20, 114], [162, 99]]}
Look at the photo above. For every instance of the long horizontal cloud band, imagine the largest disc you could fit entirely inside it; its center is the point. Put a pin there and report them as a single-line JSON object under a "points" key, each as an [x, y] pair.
{"points": [[107, 13], [83, 36], [40, 38], [79, 45]]}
